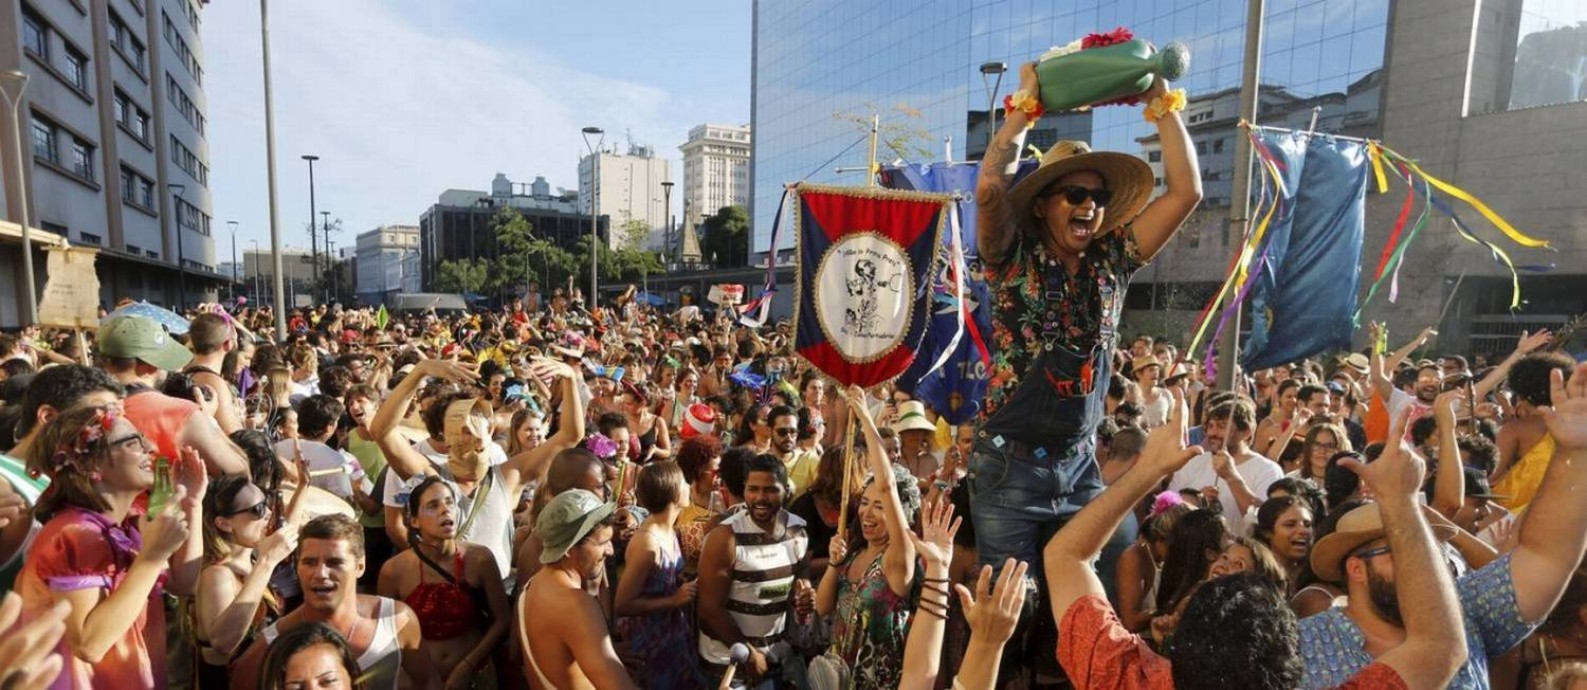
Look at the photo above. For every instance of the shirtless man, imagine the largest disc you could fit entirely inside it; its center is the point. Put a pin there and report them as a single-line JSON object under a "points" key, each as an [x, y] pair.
{"points": [[576, 652], [210, 338]]}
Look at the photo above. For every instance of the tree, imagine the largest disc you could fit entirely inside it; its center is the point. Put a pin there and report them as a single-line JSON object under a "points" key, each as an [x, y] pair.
{"points": [[516, 249], [632, 233], [724, 240], [899, 132], [462, 275]]}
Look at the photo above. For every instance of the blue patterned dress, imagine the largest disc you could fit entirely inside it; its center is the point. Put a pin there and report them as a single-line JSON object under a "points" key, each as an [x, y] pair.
{"points": [[665, 640]]}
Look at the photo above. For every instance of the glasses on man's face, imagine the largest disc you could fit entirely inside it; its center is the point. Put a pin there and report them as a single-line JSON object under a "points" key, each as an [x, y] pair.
{"points": [[786, 431], [1368, 554]]}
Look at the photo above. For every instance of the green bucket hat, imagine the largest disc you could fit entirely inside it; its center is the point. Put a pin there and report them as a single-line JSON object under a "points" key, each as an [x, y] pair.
{"points": [[567, 519], [136, 337]]}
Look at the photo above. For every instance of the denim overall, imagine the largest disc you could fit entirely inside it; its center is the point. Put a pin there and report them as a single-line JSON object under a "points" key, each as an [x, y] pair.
{"points": [[1033, 464]]}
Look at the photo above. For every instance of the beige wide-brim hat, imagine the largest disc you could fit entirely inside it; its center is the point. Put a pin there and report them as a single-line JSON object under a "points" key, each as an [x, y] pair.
{"points": [[1129, 178], [1358, 528], [912, 417]]}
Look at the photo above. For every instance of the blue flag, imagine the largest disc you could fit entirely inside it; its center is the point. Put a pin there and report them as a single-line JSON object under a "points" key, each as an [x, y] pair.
{"points": [[1305, 292]]}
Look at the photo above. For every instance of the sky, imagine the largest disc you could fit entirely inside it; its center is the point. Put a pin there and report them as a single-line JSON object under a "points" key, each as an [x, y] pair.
{"points": [[403, 99]]}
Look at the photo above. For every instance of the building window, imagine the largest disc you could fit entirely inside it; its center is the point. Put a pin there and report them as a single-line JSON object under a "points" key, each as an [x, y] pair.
{"points": [[134, 249], [76, 68], [1154, 156], [91, 238], [129, 186], [1550, 65], [151, 253], [34, 36], [83, 159], [122, 38], [44, 146], [130, 116], [146, 192]]}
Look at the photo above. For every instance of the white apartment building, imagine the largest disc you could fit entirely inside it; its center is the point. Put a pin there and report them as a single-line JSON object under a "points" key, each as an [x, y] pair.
{"points": [[629, 189], [381, 257], [715, 170], [115, 153]]}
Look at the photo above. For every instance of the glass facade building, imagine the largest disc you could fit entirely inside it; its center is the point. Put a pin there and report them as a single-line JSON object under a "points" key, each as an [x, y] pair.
{"points": [[822, 67]]}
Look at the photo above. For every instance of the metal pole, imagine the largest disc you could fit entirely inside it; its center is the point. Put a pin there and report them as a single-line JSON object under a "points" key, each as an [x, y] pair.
{"points": [[330, 260], [870, 166], [181, 252], [231, 290], [1240, 203], [314, 238], [30, 313], [270, 164], [595, 228], [258, 293], [666, 214]]}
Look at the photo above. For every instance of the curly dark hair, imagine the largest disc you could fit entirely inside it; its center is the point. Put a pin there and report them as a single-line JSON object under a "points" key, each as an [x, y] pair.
{"points": [[1236, 632], [1529, 377], [61, 387], [695, 454]]}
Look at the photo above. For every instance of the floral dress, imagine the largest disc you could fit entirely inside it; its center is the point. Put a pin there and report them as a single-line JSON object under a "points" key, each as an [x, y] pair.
{"points": [[665, 640], [871, 625]]}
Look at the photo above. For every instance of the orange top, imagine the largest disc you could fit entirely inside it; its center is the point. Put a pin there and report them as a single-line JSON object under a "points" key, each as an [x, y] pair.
{"points": [[160, 417]]}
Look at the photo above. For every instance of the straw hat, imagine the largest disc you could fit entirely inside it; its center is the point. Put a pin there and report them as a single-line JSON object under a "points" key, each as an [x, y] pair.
{"points": [[912, 417], [1140, 364], [1129, 178], [1356, 529]]}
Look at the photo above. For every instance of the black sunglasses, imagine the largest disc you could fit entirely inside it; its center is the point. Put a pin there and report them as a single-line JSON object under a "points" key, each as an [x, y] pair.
{"points": [[1076, 195], [258, 510]]}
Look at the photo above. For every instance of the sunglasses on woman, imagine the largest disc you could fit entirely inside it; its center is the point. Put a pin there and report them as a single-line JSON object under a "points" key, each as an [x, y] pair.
{"points": [[257, 510], [1077, 195]]}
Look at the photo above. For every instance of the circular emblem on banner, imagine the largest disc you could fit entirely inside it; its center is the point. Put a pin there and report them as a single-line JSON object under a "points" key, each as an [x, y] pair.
{"points": [[863, 289]]}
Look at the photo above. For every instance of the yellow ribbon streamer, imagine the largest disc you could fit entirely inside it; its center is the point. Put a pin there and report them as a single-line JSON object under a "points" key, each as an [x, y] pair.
{"points": [[1376, 155], [1503, 225]]}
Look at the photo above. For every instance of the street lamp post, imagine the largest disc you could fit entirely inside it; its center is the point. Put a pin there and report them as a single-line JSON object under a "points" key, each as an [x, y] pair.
{"points": [[988, 69], [325, 227], [666, 214], [258, 292], [595, 231], [181, 252], [231, 290], [30, 312], [314, 247]]}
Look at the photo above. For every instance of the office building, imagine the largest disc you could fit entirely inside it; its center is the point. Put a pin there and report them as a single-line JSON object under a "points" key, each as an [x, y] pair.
{"points": [[297, 271], [458, 225], [715, 170], [382, 256], [629, 190], [113, 124], [1490, 100]]}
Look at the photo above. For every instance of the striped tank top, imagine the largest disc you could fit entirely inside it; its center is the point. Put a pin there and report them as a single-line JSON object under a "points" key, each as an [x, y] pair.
{"points": [[763, 578]]}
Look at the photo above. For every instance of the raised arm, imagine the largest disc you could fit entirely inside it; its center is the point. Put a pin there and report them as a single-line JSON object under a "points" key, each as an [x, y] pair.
{"points": [[898, 561], [400, 456], [226, 608], [994, 219], [923, 647], [1435, 644], [1070, 552], [1554, 532], [1181, 173], [530, 464], [1449, 483], [1523, 347]]}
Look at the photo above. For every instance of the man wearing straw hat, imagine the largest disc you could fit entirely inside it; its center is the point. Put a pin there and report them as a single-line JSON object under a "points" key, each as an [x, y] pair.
{"points": [[1059, 248]]}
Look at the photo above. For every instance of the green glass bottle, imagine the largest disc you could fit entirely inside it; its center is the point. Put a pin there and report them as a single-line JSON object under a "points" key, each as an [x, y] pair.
{"points": [[1087, 77]]}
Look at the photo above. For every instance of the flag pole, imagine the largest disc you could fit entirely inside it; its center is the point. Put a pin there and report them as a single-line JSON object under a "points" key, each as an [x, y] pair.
{"points": [[1240, 202], [871, 168]]}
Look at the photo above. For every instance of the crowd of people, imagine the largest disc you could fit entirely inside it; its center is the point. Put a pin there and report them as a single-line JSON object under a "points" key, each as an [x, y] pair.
{"points": [[557, 494]]}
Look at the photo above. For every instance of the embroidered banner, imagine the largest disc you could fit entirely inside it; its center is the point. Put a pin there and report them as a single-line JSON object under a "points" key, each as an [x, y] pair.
{"points": [[864, 260]]}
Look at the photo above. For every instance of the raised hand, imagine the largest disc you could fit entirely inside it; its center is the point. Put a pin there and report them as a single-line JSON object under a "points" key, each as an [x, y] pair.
{"points": [[278, 546], [1530, 342], [191, 474], [837, 551], [1165, 450], [448, 370], [29, 648], [938, 525], [993, 617], [1398, 472], [164, 534], [1566, 418]]}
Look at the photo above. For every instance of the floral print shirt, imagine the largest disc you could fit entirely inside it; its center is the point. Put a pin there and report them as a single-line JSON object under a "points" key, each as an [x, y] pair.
{"points": [[1081, 313]]}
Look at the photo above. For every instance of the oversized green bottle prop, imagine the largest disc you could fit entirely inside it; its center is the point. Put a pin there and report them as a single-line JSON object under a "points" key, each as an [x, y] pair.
{"points": [[1097, 75]]}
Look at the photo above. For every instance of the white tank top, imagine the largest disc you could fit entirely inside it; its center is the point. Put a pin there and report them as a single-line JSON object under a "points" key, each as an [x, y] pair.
{"points": [[381, 660], [762, 588]]}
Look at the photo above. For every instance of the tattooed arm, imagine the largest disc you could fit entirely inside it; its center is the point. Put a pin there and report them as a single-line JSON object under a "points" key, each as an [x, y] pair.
{"points": [[995, 227]]}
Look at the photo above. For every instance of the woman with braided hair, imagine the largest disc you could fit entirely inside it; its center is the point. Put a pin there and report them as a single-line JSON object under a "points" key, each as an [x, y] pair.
{"points": [[97, 552]]}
